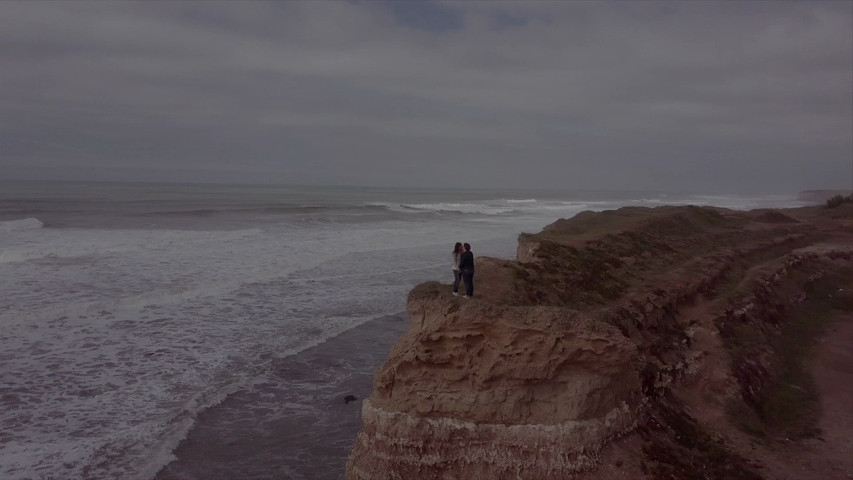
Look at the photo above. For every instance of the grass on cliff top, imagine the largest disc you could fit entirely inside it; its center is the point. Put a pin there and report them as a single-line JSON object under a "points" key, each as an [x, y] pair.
{"points": [[573, 276], [670, 221], [790, 407], [595, 258]]}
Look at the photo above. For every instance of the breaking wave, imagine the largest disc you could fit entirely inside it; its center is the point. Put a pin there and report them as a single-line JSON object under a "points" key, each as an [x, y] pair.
{"points": [[22, 224]]}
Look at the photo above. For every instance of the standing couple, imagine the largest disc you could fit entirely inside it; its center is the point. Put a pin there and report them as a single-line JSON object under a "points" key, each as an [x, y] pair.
{"points": [[463, 269]]}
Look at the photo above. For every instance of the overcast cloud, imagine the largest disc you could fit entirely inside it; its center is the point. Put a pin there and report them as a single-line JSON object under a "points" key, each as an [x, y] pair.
{"points": [[718, 96]]}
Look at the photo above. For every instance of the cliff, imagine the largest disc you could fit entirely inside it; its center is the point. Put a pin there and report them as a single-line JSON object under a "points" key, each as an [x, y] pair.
{"points": [[643, 338]]}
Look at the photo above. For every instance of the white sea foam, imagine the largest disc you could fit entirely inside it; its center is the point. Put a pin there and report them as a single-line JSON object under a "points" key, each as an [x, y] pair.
{"points": [[20, 246], [485, 207], [22, 224], [109, 335]]}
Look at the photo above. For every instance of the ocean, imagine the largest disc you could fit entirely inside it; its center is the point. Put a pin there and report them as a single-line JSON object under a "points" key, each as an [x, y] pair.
{"points": [[212, 331]]}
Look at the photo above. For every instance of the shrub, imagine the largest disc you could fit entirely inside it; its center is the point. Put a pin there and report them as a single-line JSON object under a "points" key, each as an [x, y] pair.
{"points": [[838, 200]]}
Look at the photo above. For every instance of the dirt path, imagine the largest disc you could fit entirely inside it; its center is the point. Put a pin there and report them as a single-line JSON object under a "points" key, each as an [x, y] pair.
{"points": [[831, 456]]}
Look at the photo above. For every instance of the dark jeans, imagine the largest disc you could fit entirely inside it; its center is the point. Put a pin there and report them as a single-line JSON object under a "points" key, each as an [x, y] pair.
{"points": [[457, 276], [468, 277]]}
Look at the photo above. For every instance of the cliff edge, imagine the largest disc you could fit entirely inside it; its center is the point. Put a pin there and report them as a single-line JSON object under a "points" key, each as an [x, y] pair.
{"points": [[635, 343]]}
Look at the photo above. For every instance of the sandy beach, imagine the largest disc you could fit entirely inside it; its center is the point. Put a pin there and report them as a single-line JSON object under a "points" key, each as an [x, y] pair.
{"points": [[296, 425]]}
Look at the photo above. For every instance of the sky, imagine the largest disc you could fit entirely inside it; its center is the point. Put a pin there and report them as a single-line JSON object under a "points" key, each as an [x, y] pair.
{"points": [[730, 96]]}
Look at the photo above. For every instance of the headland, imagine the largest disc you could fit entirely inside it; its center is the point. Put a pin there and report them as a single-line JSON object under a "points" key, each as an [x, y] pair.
{"points": [[643, 343]]}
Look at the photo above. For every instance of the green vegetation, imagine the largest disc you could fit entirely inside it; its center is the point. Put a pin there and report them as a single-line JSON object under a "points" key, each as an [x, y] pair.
{"points": [[577, 275], [837, 200], [780, 398], [727, 290], [595, 258]]}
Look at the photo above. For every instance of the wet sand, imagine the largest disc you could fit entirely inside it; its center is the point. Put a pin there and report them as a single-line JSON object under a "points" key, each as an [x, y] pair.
{"points": [[296, 425]]}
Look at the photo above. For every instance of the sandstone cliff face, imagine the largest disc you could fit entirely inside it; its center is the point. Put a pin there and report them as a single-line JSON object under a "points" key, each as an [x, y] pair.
{"points": [[578, 341], [483, 391]]}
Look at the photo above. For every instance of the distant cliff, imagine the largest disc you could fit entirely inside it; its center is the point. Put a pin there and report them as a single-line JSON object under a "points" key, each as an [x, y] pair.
{"points": [[820, 196], [609, 325]]}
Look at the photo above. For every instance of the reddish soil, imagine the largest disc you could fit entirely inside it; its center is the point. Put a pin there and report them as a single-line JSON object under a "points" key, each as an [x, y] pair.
{"points": [[706, 392]]}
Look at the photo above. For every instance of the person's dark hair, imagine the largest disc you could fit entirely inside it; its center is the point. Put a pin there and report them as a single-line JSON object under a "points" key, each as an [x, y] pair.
{"points": [[457, 247], [467, 247]]}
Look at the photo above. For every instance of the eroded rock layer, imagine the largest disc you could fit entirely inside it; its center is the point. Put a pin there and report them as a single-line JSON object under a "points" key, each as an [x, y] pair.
{"points": [[557, 386]]}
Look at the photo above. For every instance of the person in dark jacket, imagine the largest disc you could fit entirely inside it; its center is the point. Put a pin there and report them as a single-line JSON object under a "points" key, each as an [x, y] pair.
{"points": [[466, 265]]}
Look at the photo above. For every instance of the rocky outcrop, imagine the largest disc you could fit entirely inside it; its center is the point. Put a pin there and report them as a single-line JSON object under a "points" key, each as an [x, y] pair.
{"points": [[478, 390], [580, 340]]}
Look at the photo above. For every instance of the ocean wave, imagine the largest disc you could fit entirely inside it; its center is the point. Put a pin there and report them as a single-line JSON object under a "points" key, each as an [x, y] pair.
{"points": [[22, 224], [202, 212], [212, 212], [116, 241], [484, 208], [564, 206]]}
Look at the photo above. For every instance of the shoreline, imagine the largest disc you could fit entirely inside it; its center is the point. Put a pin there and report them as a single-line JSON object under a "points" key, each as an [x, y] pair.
{"points": [[295, 424]]}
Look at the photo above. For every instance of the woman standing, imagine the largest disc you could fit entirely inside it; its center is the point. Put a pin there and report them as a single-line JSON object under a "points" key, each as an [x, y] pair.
{"points": [[457, 273]]}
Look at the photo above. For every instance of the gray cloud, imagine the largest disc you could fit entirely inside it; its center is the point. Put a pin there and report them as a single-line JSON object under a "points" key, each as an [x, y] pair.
{"points": [[671, 95]]}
